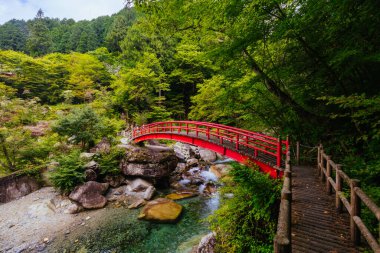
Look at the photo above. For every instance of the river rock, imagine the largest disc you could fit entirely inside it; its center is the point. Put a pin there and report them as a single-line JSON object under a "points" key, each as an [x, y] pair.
{"points": [[138, 203], [73, 208], [86, 156], [114, 181], [90, 194], [161, 210], [149, 192], [90, 175], [148, 163], [117, 194], [104, 146], [207, 244], [183, 151], [137, 185], [192, 162], [152, 171], [207, 155], [220, 170], [92, 165], [127, 193], [181, 195]]}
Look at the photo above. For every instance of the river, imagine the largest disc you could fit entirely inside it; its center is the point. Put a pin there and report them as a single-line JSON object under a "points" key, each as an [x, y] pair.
{"points": [[120, 231]]}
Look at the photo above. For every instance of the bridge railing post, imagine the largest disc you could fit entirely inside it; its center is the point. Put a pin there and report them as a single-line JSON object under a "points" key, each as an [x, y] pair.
{"points": [[237, 142], [279, 151], [208, 133], [355, 211]]}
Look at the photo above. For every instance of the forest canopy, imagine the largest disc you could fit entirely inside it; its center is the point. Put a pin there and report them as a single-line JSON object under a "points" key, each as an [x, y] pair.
{"points": [[308, 69]]}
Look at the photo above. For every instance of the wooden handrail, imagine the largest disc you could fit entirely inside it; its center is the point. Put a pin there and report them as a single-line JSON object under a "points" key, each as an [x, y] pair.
{"points": [[325, 167], [282, 240]]}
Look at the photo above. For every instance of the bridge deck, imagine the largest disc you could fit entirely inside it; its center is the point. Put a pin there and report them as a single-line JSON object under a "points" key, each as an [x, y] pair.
{"points": [[316, 227]]}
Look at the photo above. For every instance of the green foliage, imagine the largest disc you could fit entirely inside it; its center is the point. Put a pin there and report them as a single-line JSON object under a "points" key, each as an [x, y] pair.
{"points": [[84, 124], [39, 41], [247, 222], [13, 35], [109, 162], [69, 173], [44, 35]]}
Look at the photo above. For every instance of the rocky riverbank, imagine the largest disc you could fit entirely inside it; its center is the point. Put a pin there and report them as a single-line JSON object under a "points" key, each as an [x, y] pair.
{"points": [[156, 177]]}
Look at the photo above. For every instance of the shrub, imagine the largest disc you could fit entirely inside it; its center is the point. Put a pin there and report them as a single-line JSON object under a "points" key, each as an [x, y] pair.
{"points": [[247, 222], [109, 163], [82, 123], [69, 173]]}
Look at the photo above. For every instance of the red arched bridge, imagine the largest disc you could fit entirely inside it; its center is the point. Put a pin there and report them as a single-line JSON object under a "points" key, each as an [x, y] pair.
{"points": [[244, 146]]}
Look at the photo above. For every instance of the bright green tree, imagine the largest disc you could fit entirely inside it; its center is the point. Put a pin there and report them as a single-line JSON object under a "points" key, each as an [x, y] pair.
{"points": [[82, 124]]}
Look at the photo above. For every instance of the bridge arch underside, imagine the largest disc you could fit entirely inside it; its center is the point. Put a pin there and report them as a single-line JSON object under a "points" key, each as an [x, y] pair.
{"points": [[223, 150]]}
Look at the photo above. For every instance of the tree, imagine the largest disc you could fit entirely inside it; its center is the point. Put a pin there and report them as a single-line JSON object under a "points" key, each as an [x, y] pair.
{"points": [[140, 88], [13, 35], [16, 143], [82, 124], [39, 41], [118, 29]]}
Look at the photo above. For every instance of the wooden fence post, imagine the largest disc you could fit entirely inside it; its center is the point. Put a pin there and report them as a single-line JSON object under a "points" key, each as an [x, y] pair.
{"points": [[319, 159], [355, 211], [298, 153], [338, 182], [322, 167], [328, 174]]}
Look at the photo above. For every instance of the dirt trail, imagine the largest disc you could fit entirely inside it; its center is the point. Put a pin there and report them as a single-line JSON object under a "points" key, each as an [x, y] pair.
{"points": [[31, 222]]}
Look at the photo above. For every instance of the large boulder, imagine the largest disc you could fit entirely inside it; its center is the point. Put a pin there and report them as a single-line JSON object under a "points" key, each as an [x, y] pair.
{"points": [[161, 210], [207, 155], [183, 151], [90, 194], [148, 163]]}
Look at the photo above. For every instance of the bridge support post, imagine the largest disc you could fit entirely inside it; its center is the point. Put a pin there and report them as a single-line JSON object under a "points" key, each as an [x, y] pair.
{"points": [[338, 183], [298, 153], [355, 211]]}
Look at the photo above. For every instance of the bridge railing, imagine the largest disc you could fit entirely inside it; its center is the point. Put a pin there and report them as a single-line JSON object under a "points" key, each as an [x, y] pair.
{"points": [[327, 169], [282, 240], [274, 148]]}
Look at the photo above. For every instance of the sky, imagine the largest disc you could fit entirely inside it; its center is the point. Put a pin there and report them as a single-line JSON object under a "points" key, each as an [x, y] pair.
{"points": [[76, 9]]}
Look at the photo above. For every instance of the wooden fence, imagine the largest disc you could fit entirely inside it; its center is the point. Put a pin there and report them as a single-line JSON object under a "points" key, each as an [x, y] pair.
{"points": [[282, 240], [327, 169]]}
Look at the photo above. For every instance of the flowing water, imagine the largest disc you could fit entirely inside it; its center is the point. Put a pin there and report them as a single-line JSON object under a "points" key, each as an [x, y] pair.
{"points": [[121, 231]]}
